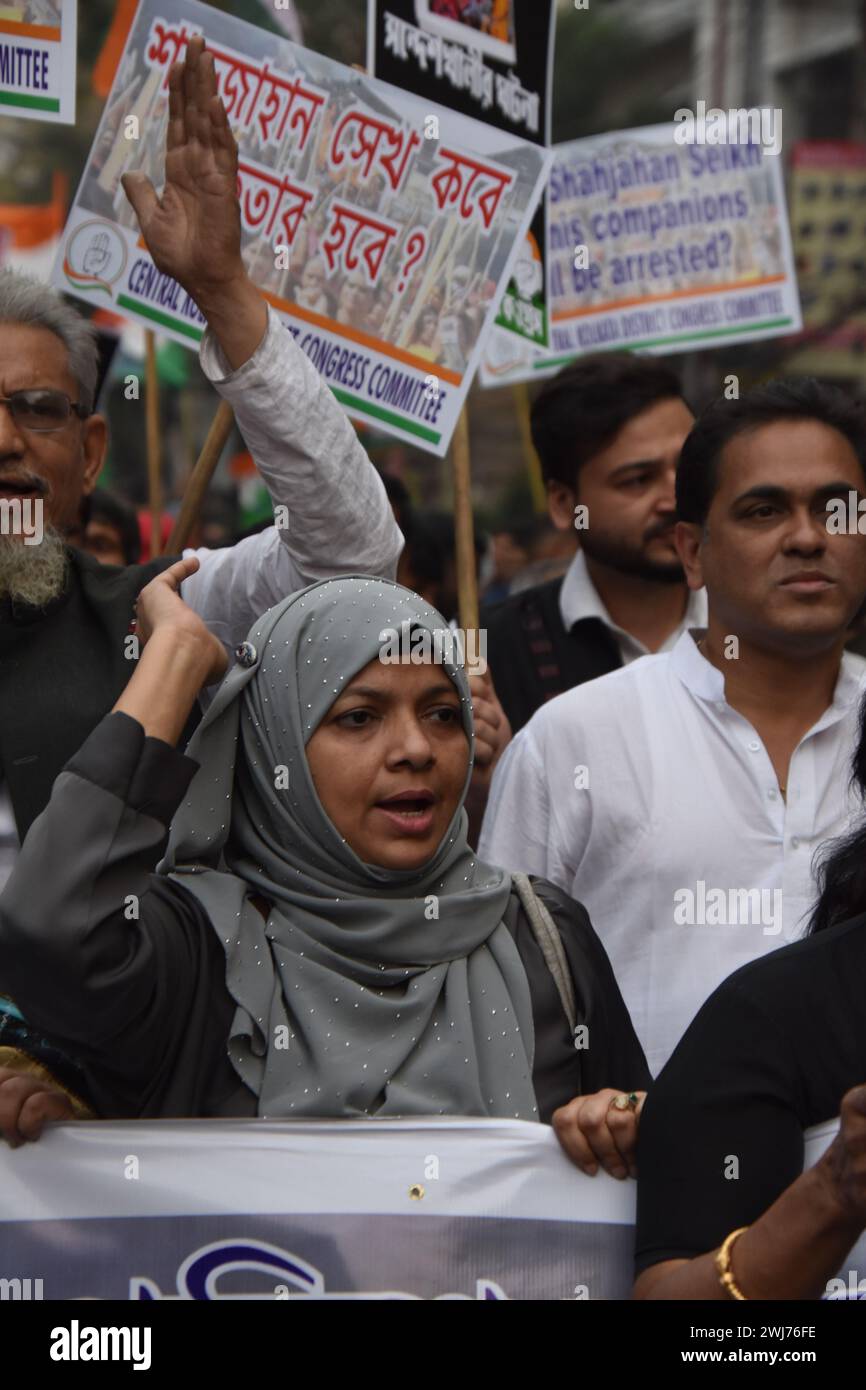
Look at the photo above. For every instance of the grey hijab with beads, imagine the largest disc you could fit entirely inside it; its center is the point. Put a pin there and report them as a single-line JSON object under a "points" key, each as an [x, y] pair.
{"points": [[354, 997]]}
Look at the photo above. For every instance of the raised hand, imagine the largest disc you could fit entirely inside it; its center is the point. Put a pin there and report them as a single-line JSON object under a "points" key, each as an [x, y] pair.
{"points": [[160, 608], [193, 232]]}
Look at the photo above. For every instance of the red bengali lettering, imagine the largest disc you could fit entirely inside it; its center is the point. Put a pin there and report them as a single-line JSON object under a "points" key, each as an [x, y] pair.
{"points": [[165, 44], [377, 234], [451, 184]]}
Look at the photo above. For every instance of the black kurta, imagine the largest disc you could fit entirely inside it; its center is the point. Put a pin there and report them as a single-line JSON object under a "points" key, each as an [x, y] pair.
{"points": [[533, 656], [142, 1004], [770, 1054], [62, 667]]}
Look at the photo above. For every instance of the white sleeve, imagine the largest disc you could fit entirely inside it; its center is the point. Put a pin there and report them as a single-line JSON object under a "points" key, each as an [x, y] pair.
{"points": [[234, 586], [539, 811], [514, 833], [339, 517]]}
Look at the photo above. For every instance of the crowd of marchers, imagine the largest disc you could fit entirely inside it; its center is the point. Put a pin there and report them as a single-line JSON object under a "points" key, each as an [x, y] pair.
{"points": [[237, 836]]}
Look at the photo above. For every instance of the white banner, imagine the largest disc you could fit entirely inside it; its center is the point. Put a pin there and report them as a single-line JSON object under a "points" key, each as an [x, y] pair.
{"points": [[367, 1209], [659, 246], [380, 226], [37, 60]]}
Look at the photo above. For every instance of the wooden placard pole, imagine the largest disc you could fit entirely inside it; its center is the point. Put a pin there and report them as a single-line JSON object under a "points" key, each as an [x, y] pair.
{"points": [[464, 528], [154, 443], [533, 463], [199, 480]]}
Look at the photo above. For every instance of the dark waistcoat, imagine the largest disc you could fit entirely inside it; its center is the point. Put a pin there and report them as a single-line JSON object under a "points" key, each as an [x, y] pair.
{"points": [[62, 667], [533, 657]]}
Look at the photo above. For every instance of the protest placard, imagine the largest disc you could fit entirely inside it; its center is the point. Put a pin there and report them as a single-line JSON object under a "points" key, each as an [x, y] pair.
{"points": [[493, 60], [662, 247], [452, 1208], [384, 247], [37, 60]]}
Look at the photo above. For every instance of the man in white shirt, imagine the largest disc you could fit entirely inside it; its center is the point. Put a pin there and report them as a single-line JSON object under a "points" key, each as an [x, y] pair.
{"points": [[608, 430], [682, 798]]}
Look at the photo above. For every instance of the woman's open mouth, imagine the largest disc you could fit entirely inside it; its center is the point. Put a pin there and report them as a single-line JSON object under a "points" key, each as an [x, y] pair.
{"points": [[411, 812]]}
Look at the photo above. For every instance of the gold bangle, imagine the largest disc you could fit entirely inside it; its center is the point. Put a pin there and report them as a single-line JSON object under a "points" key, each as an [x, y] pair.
{"points": [[723, 1267]]}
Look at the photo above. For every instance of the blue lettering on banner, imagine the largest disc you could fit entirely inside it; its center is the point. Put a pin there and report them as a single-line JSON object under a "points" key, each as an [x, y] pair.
{"points": [[23, 67], [754, 306], [404, 392], [190, 309], [716, 159], [335, 362], [149, 283], [662, 224], [291, 1276], [740, 308], [389, 386]]}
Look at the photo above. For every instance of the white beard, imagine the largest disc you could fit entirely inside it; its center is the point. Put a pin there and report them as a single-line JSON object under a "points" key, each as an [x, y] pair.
{"points": [[33, 574]]}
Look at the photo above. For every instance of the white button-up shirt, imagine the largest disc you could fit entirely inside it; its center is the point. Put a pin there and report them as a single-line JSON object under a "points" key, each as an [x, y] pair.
{"points": [[579, 598], [647, 797]]}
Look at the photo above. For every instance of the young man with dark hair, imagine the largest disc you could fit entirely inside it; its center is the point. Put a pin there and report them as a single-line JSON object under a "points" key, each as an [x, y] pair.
{"points": [[608, 430], [682, 798]]}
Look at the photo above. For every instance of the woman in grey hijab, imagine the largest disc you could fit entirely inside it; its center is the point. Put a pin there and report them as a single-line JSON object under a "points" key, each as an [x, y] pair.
{"points": [[319, 939]]}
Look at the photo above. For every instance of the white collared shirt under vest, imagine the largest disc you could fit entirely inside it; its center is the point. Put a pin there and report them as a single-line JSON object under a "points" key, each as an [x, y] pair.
{"points": [[641, 792], [579, 598]]}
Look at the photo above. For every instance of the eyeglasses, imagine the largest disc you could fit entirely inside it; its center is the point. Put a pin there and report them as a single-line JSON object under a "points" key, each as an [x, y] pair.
{"points": [[42, 411]]}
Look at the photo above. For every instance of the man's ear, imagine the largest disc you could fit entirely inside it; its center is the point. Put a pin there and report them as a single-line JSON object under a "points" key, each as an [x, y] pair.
{"points": [[561, 502], [94, 444], [688, 538]]}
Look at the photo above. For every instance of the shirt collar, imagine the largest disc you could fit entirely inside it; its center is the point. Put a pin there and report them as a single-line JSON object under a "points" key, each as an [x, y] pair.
{"points": [[579, 599], [851, 682], [707, 682], [697, 674]]}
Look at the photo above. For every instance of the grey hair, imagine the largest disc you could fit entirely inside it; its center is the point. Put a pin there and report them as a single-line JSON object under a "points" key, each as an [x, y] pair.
{"points": [[28, 301]]}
